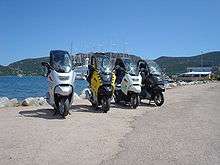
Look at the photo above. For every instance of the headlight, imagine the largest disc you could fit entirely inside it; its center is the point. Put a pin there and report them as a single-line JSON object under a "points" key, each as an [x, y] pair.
{"points": [[106, 77], [135, 79], [64, 77]]}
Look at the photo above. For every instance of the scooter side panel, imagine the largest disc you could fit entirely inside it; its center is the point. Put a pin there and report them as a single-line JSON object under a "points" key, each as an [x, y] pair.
{"points": [[55, 79], [131, 84], [95, 83]]}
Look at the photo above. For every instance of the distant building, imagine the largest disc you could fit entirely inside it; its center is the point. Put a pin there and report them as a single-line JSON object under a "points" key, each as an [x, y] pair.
{"points": [[199, 69], [196, 74]]}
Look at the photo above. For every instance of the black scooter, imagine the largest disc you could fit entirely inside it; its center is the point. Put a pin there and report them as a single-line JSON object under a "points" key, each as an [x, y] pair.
{"points": [[152, 82]]}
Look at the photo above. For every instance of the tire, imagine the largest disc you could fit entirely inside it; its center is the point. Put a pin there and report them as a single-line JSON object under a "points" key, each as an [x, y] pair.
{"points": [[94, 105], [55, 110], [159, 99], [134, 101], [117, 101], [105, 102], [64, 107]]}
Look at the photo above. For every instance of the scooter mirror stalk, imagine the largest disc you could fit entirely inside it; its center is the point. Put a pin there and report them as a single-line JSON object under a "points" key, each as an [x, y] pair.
{"points": [[46, 64]]}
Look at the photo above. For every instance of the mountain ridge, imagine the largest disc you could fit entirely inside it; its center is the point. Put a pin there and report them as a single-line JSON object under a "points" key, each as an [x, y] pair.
{"points": [[177, 65], [170, 65]]}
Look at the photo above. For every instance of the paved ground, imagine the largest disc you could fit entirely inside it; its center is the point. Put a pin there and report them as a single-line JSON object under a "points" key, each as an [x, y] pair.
{"points": [[185, 130]]}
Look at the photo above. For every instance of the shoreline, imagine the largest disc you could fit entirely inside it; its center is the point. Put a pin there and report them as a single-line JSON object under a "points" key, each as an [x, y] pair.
{"points": [[14, 102], [22, 88]]}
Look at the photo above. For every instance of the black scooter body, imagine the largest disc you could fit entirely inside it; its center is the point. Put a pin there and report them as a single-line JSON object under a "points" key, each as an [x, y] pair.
{"points": [[152, 86], [149, 90]]}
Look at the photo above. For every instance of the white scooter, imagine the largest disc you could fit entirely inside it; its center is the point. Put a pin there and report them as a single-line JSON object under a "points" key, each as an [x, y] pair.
{"points": [[61, 78], [128, 87]]}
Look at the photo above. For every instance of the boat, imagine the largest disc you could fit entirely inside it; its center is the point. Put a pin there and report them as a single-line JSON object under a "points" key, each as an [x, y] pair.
{"points": [[20, 75]]}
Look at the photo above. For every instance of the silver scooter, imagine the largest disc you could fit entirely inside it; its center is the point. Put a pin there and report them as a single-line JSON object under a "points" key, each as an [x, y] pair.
{"points": [[128, 82], [61, 78]]}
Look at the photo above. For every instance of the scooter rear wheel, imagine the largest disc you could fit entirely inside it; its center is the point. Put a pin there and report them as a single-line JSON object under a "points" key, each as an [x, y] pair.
{"points": [[159, 99]]}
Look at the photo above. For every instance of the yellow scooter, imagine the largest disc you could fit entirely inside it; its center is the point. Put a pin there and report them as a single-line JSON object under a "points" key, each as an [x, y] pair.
{"points": [[101, 81]]}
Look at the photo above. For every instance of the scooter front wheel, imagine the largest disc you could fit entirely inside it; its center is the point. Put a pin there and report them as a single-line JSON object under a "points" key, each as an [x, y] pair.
{"points": [[117, 100], [159, 99], [105, 104], [64, 107], [134, 101], [94, 105]]}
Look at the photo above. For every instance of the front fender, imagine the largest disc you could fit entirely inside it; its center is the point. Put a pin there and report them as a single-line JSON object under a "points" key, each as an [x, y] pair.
{"points": [[135, 88], [63, 90]]}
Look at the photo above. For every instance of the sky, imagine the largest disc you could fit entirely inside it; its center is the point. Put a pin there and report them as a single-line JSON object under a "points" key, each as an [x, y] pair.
{"points": [[148, 28]]}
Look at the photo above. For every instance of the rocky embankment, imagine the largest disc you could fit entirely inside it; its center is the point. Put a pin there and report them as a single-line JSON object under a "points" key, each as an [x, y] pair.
{"points": [[39, 101], [33, 101], [183, 83], [6, 102]]}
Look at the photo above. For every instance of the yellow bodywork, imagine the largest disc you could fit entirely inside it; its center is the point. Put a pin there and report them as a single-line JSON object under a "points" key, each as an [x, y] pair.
{"points": [[96, 82], [113, 81]]}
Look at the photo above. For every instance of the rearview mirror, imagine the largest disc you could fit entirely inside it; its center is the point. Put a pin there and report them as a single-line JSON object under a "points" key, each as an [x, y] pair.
{"points": [[46, 64], [74, 65]]}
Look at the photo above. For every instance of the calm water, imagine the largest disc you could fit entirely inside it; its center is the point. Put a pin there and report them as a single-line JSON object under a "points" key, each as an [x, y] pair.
{"points": [[23, 87]]}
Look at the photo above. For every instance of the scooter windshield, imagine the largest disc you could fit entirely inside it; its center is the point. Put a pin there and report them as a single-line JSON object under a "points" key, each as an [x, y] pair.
{"points": [[62, 62], [131, 67], [154, 68], [104, 64]]}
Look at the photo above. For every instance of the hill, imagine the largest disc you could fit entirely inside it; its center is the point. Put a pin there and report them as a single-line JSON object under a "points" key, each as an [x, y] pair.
{"points": [[33, 66], [171, 65], [29, 66], [6, 70], [176, 65]]}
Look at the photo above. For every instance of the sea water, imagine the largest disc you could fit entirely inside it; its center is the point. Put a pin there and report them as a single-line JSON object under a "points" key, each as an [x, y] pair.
{"points": [[27, 86]]}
